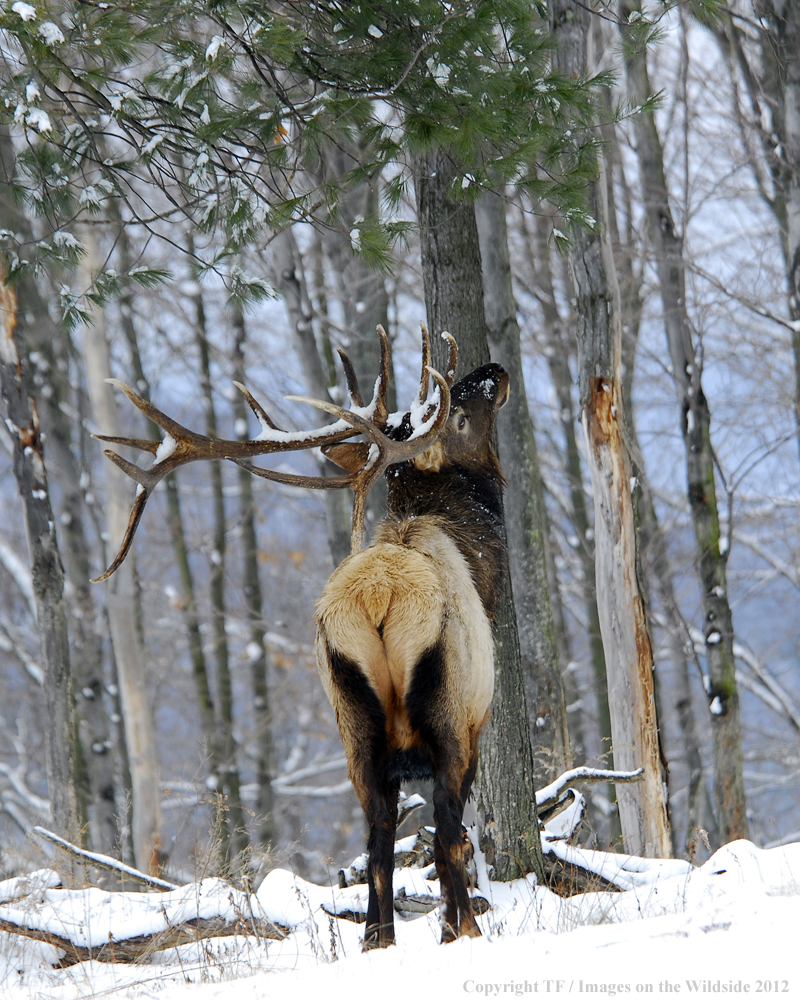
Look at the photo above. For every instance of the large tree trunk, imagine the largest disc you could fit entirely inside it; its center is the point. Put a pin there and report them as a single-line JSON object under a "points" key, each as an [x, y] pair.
{"points": [[623, 625], [46, 571], [723, 697], [121, 599], [699, 812], [451, 268], [526, 515]]}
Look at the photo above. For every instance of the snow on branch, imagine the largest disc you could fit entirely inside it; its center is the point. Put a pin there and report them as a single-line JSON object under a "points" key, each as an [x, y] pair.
{"points": [[551, 794], [104, 861]]}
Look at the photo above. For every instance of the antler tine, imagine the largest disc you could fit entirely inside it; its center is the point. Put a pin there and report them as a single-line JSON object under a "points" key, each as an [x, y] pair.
{"points": [[452, 361], [426, 360], [157, 416], [350, 378], [391, 453], [381, 396], [142, 496], [261, 414]]}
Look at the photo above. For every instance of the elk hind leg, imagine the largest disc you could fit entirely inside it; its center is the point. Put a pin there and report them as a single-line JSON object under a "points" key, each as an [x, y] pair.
{"points": [[381, 813], [362, 725], [452, 782]]}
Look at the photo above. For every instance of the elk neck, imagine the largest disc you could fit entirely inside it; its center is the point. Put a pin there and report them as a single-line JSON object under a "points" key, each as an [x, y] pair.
{"points": [[467, 505]]}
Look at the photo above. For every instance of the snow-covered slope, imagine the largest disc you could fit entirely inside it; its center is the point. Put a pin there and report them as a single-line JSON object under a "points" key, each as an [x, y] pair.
{"points": [[730, 926]]}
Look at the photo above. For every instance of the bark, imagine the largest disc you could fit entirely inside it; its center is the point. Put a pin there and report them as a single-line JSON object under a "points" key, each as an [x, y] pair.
{"points": [[699, 813], [47, 574], [257, 649], [233, 833], [451, 268], [526, 515], [121, 600], [97, 763], [289, 279], [450, 257], [558, 360], [723, 697], [623, 623], [50, 371]]}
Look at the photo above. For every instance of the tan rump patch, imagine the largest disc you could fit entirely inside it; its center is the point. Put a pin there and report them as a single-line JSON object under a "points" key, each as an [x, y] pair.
{"points": [[382, 609]]}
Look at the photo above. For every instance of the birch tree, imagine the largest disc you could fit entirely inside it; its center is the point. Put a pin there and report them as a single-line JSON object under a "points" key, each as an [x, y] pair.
{"points": [[122, 597]]}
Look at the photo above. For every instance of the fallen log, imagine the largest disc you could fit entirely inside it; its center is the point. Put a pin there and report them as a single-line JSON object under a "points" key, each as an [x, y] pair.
{"points": [[134, 949]]}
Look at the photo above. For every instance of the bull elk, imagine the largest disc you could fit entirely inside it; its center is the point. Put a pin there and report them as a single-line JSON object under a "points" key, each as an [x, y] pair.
{"points": [[404, 627]]}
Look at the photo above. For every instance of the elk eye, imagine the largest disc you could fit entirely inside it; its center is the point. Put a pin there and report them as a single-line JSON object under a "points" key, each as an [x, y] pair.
{"points": [[462, 422]]}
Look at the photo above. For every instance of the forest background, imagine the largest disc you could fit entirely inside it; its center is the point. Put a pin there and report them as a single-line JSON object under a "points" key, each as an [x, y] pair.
{"points": [[213, 193]]}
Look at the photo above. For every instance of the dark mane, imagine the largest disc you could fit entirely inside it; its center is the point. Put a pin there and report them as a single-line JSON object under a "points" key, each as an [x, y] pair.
{"points": [[470, 507]]}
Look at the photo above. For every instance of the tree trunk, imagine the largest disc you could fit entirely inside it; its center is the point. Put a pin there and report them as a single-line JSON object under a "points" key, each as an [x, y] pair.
{"points": [[451, 268], [605, 815], [699, 813], [46, 571], [121, 599], [256, 650], [233, 834], [526, 515], [288, 271], [623, 624], [96, 761], [723, 697], [180, 551]]}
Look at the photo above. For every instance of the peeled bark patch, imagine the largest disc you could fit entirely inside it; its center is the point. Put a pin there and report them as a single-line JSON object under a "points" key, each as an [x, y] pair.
{"points": [[623, 625]]}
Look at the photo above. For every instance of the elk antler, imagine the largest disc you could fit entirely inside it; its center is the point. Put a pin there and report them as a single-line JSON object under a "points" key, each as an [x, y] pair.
{"points": [[181, 445]]}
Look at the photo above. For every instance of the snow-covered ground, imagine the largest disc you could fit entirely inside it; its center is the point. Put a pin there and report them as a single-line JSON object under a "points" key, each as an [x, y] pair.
{"points": [[730, 926]]}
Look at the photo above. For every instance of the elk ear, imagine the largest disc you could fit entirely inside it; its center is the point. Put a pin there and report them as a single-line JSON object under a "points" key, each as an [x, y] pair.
{"points": [[502, 392], [348, 455]]}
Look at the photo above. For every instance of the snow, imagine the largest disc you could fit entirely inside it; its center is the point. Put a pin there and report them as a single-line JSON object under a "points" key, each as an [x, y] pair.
{"points": [[165, 449], [38, 119], [50, 33], [214, 46], [25, 11], [726, 927]]}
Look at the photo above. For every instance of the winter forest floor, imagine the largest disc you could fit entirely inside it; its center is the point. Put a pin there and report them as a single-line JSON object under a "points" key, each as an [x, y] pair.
{"points": [[729, 926]]}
